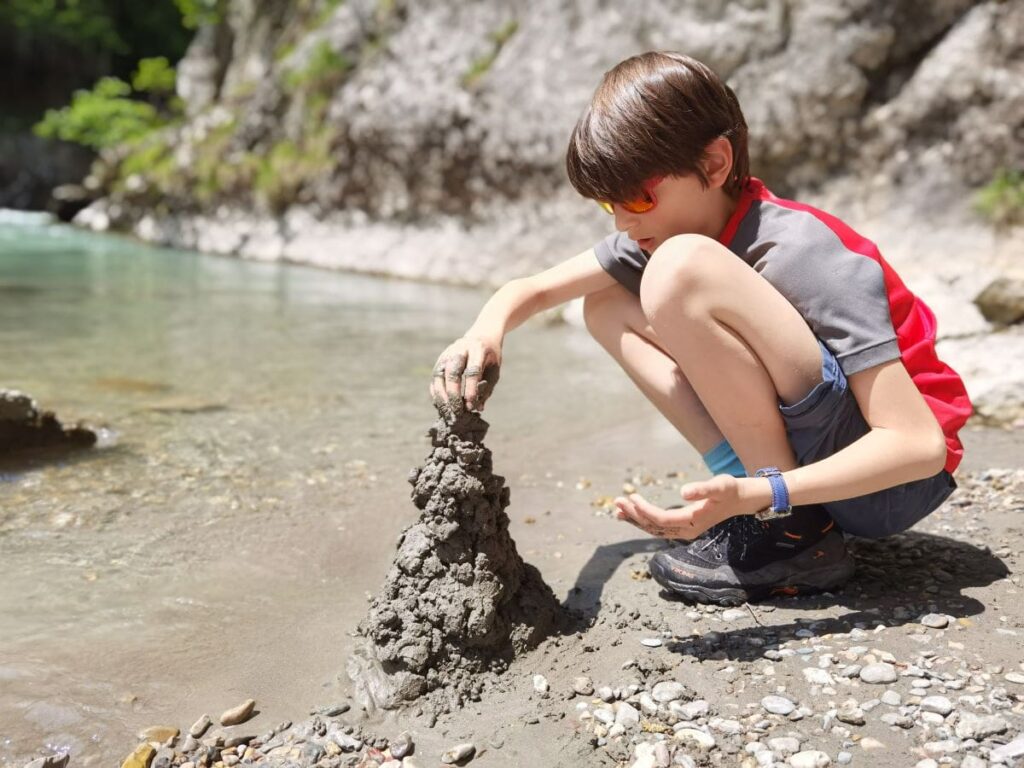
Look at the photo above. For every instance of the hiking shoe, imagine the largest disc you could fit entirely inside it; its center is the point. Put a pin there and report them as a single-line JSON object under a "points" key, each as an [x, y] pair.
{"points": [[745, 560]]}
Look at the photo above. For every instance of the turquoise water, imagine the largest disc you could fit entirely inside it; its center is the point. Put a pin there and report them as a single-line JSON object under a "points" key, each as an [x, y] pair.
{"points": [[259, 420]]}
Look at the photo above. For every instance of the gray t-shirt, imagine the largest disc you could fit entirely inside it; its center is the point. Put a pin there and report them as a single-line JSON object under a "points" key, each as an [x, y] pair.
{"points": [[841, 293]]}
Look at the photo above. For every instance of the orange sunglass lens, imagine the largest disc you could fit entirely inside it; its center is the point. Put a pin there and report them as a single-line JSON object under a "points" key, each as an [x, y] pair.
{"points": [[643, 205]]}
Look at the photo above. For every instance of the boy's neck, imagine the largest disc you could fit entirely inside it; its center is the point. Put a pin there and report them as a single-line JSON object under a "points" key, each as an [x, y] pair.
{"points": [[720, 210]]}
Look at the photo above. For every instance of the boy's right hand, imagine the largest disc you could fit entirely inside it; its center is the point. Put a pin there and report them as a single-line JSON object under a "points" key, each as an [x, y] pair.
{"points": [[474, 360]]}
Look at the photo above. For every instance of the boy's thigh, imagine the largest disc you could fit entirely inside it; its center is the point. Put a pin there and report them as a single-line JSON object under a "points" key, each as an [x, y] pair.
{"points": [[827, 420]]}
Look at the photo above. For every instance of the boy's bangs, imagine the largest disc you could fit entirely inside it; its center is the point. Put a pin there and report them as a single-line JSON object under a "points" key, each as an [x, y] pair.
{"points": [[600, 164]]}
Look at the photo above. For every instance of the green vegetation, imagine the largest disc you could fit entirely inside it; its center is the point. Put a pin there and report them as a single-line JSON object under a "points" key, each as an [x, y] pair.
{"points": [[108, 115], [482, 65], [1001, 201], [100, 118], [196, 13], [154, 75], [325, 70]]}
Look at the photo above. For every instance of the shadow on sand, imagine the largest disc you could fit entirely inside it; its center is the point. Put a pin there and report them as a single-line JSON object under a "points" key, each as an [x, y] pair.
{"points": [[897, 579]]}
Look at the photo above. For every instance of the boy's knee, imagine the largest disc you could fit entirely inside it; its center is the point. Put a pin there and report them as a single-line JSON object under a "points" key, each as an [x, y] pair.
{"points": [[681, 265]]}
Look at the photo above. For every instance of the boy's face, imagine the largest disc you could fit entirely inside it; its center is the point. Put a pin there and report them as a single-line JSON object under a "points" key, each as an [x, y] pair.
{"points": [[684, 207]]}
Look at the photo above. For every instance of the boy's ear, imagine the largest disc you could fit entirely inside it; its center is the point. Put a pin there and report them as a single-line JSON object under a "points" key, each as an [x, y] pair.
{"points": [[717, 162]]}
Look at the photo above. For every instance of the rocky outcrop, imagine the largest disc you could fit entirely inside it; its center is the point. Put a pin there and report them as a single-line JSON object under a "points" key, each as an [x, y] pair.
{"points": [[365, 135], [23, 426]]}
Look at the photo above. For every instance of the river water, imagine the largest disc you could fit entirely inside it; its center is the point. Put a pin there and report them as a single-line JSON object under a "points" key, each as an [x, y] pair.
{"points": [[259, 420]]}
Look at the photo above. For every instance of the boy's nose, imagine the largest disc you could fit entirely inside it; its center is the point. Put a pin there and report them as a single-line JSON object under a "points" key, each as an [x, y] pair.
{"points": [[624, 220]]}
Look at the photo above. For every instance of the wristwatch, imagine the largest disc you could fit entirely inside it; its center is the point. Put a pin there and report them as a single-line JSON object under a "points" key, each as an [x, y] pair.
{"points": [[780, 506]]}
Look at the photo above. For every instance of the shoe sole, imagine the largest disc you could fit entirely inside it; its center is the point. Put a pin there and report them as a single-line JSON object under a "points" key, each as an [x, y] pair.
{"points": [[806, 582]]}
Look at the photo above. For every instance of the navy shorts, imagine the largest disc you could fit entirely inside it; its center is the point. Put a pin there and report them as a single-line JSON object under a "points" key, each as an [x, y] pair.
{"points": [[827, 420]]}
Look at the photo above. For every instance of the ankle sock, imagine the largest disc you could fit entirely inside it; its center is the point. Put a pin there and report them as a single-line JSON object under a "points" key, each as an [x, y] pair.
{"points": [[722, 460]]}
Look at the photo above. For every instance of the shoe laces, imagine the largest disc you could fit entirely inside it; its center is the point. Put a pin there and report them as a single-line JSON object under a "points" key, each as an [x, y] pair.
{"points": [[737, 531]]}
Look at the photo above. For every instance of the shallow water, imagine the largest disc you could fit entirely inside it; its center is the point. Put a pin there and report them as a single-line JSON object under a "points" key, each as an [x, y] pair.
{"points": [[262, 419]]}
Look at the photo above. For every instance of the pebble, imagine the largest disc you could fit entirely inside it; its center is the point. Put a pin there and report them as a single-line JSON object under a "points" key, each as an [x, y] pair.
{"points": [[1015, 677], [651, 642], [606, 694], [459, 753], [238, 714], [159, 734], [892, 698], [691, 710], [940, 705], [699, 738], [926, 763], [1008, 751], [778, 705], [401, 746], [584, 686], [784, 745], [816, 676], [734, 614], [851, 714], [199, 726], [934, 620], [811, 758], [627, 716], [142, 757], [977, 727], [845, 758], [878, 673], [540, 684], [973, 761], [668, 690], [942, 747]]}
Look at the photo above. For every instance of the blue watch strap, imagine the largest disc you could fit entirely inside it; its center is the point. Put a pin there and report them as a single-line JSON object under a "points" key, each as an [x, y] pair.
{"points": [[780, 493]]}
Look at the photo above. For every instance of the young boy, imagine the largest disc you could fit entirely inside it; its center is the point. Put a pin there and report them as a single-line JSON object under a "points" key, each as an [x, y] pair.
{"points": [[772, 336]]}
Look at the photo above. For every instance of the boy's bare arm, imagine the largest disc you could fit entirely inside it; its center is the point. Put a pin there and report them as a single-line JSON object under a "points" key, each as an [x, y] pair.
{"points": [[509, 307], [905, 442]]}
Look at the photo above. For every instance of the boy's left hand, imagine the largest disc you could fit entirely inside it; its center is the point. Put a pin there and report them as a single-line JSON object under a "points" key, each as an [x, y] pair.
{"points": [[712, 501]]}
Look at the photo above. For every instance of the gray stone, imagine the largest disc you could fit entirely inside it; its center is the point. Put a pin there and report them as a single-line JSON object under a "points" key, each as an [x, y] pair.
{"points": [[1002, 301], [627, 716], [878, 674], [976, 727], [784, 745], [816, 676], [540, 684], [460, 753], [777, 705], [401, 746], [942, 747], [810, 758], [940, 705], [584, 686], [892, 698], [651, 642], [669, 690], [238, 714]]}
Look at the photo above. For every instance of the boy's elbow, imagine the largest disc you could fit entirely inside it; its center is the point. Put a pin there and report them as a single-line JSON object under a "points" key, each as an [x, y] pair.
{"points": [[934, 450]]}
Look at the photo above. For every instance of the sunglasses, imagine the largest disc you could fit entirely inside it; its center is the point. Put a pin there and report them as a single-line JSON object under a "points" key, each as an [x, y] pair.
{"points": [[642, 204]]}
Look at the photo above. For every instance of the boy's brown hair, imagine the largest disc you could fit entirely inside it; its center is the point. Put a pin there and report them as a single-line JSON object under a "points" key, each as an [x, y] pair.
{"points": [[653, 115]]}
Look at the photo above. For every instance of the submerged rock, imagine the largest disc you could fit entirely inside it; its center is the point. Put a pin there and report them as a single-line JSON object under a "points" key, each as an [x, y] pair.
{"points": [[458, 602], [24, 426]]}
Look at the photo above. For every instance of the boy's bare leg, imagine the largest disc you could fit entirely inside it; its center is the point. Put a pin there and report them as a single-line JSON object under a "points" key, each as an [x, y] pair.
{"points": [[616, 320], [740, 344]]}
